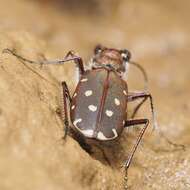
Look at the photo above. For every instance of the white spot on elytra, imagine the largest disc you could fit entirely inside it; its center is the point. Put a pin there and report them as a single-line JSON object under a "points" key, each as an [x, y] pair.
{"points": [[88, 93], [109, 113], [88, 132], [73, 107], [101, 136], [124, 92], [115, 133], [117, 102], [77, 121], [75, 94], [92, 108], [123, 122], [84, 80]]}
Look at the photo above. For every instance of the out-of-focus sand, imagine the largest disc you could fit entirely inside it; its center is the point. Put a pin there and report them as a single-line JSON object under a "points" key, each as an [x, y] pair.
{"points": [[32, 154]]}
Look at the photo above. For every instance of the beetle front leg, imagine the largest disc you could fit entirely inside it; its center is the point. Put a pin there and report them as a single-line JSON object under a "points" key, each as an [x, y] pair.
{"points": [[69, 57], [66, 97], [78, 60], [129, 123]]}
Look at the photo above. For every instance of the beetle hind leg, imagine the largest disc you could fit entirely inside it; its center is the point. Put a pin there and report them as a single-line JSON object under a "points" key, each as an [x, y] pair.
{"points": [[129, 123], [66, 98]]}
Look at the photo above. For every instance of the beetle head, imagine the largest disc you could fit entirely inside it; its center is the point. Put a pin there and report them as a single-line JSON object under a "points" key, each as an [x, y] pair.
{"points": [[112, 59]]}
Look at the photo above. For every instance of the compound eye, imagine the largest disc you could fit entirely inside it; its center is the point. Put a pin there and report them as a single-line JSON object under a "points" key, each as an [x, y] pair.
{"points": [[98, 49], [126, 55]]}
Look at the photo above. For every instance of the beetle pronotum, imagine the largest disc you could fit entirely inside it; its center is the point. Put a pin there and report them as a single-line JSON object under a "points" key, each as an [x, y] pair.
{"points": [[99, 103]]}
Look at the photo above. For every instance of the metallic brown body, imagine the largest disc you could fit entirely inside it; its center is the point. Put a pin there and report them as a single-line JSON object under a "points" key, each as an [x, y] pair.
{"points": [[106, 86]]}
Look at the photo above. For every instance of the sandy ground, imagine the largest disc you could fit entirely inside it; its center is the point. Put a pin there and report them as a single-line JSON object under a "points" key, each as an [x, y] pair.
{"points": [[32, 153]]}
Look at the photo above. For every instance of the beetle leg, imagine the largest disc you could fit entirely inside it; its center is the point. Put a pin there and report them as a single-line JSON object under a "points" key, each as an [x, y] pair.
{"points": [[69, 57], [138, 107], [78, 60], [66, 97], [130, 123], [133, 96], [137, 95]]}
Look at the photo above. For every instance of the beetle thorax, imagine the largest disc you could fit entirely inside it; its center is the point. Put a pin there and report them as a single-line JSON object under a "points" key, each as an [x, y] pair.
{"points": [[109, 59]]}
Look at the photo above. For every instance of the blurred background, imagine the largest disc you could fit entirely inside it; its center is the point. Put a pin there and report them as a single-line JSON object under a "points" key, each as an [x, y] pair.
{"points": [[156, 33]]}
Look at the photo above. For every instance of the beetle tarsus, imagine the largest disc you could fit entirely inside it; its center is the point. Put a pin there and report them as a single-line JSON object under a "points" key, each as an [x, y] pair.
{"points": [[170, 142], [126, 180]]}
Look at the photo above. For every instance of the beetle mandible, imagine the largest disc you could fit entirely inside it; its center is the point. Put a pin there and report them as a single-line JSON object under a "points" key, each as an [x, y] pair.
{"points": [[99, 103]]}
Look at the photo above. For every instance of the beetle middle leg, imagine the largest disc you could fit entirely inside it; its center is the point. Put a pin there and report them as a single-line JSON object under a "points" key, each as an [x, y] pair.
{"points": [[138, 95], [66, 98], [138, 107]]}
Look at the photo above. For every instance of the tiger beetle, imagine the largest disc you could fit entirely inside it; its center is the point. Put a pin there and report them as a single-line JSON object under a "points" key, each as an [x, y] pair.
{"points": [[98, 106]]}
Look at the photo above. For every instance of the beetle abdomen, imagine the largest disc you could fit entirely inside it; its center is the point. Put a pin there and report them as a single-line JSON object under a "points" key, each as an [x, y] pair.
{"points": [[99, 104]]}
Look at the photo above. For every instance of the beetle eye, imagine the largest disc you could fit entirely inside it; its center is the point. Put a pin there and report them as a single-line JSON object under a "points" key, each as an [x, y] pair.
{"points": [[98, 49], [126, 55]]}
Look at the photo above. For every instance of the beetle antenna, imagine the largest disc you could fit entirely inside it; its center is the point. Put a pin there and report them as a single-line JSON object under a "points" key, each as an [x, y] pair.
{"points": [[143, 72]]}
